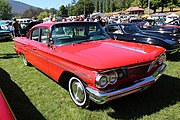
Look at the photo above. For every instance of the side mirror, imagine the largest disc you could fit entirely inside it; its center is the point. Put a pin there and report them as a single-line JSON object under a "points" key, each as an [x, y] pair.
{"points": [[48, 44], [51, 44]]}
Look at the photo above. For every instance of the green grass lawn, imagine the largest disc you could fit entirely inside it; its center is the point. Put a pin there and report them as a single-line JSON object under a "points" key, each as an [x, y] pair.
{"points": [[34, 96]]}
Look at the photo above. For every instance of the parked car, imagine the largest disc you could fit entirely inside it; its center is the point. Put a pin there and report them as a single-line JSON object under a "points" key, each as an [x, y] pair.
{"points": [[130, 32], [27, 26], [150, 26], [5, 35], [161, 23], [175, 22], [94, 67], [6, 112], [172, 24]]}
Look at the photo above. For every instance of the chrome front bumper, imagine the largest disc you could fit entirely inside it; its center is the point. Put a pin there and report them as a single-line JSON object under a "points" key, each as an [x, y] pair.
{"points": [[101, 97]]}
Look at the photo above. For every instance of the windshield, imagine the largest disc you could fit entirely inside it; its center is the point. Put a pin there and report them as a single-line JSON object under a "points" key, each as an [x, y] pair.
{"points": [[77, 32], [130, 29]]}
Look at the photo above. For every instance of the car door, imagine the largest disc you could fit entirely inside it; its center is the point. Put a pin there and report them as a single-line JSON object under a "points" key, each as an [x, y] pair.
{"points": [[43, 50], [32, 46], [38, 48]]}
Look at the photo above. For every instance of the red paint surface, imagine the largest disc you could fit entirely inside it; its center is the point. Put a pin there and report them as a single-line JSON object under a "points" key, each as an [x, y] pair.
{"points": [[5, 112]]}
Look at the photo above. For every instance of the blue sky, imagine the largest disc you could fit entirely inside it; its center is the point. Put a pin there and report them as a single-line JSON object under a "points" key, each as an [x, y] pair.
{"points": [[46, 3]]}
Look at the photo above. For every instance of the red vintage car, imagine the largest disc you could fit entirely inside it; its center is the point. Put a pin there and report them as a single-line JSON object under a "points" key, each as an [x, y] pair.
{"points": [[5, 110], [94, 68]]}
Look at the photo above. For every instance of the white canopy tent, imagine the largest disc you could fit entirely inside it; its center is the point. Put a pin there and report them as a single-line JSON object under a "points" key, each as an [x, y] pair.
{"points": [[94, 15]]}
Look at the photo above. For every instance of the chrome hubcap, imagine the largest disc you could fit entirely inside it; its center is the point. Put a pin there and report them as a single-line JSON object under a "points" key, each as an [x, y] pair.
{"points": [[78, 91]]}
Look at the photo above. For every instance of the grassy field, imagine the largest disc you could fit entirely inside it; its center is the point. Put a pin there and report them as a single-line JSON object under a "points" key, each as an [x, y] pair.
{"points": [[34, 96]]}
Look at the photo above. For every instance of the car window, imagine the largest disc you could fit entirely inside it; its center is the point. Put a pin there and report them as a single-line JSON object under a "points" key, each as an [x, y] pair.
{"points": [[44, 35], [70, 33], [130, 29], [114, 30], [92, 29], [35, 35]]}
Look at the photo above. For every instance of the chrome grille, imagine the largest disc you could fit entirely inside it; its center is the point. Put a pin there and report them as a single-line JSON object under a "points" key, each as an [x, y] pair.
{"points": [[137, 70]]}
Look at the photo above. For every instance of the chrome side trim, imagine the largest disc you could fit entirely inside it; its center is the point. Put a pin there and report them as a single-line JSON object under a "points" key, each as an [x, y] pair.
{"points": [[127, 48], [101, 97]]}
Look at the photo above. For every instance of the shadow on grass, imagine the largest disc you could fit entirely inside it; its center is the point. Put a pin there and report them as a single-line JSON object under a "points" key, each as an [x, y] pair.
{"points": [[8, 56], [7, 40], [163, 93], [20, 104], [174, 57]]}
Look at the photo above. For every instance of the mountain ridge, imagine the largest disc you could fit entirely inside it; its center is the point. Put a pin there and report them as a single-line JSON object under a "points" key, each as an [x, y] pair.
{"points": [[19, 7]]}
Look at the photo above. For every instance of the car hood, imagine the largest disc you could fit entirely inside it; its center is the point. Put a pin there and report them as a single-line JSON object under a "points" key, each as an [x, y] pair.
{"points": [[106, 54]]}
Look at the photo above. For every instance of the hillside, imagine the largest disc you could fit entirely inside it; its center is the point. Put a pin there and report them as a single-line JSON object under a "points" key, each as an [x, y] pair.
{"points": [[18, 7]]}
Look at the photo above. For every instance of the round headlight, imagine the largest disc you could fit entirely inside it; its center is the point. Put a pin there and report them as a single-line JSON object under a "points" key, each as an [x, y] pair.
{"points": [[102, 81], [162, 58], [113, 76]]}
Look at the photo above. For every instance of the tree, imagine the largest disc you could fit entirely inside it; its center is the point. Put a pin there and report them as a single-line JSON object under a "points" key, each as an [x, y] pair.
{"points": [[178, 3], [128, 3], [172, 4], [141, 3], [5, 10], [154, 5], [63, 11], [107, 5], [80, 6], [43, 15], [100, 5], [96, 5], [111, 5], [163, 3], [53, 11], [32, 12]]}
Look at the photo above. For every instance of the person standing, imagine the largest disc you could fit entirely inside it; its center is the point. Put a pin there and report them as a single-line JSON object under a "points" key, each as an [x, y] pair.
{"points": [[99, 20], [10, 28], [17, 28]]}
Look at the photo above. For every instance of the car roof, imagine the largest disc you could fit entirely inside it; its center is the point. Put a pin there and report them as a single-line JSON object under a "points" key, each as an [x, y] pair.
{"points": [[120, 24], [45, 24], [49, 24]]}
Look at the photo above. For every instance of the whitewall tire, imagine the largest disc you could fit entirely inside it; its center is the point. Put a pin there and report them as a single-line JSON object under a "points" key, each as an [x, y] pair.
{"points": [[25, 60], [78, 93]]}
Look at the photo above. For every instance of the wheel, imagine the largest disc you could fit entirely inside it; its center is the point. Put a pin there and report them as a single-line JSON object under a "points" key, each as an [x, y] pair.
{"points": [[24, 60], [78, 93]]}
